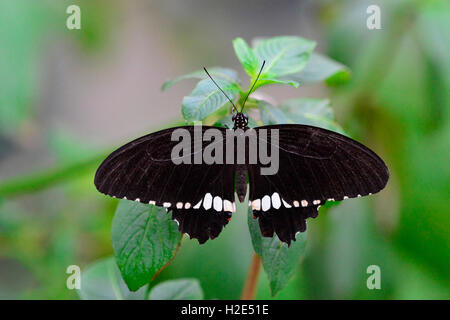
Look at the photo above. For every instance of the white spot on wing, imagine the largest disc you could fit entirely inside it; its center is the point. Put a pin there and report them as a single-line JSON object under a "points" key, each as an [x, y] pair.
{"points": [[137, 200], [197, 206], [207, 201], [276, 201], [218, 203], [316, 201], [187, 205], [166, 204], [256, 204], [227, 206], [345, 197], [179, 205], [296, 204], [304, 203], [152, 202], [287, 205], [265, 203]]}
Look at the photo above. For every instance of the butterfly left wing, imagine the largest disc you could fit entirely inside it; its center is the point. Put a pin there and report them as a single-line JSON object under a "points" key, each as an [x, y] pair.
{"points": [[143, 170], [315, 165]]}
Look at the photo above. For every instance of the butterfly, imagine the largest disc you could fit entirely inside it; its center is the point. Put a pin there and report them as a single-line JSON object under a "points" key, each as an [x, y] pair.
{"points": [[315, 165]]}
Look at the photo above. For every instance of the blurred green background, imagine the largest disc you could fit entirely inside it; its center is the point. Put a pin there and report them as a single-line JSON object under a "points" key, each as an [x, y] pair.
{"points": [[67, 97]]}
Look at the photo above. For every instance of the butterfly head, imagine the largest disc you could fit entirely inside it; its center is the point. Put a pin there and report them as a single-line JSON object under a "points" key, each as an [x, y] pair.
{"points": [[240, 120]]}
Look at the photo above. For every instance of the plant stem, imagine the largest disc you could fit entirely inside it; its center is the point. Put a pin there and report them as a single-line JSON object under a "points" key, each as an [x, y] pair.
{"points": [[251, 283]]}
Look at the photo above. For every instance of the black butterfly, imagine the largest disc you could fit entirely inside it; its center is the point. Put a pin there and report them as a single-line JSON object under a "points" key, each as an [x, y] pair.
{"points": [[315, 165]]}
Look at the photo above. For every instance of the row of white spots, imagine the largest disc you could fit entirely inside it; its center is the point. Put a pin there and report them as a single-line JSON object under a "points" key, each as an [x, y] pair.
{"points": [[265, 204], [218, 204], [275, 201], [208, 202]]}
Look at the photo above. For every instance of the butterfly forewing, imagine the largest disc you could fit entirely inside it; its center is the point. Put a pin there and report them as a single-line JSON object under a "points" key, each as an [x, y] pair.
{"points": [[143, 170], [316, 165]]}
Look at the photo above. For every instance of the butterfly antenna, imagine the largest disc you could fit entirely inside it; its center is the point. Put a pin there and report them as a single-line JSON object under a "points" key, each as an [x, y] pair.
{"points": [[250, 91], [234, 107]]}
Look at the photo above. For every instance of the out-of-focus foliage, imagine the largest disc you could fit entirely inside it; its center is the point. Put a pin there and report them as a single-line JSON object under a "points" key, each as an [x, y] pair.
{"points": [[397, 102]]}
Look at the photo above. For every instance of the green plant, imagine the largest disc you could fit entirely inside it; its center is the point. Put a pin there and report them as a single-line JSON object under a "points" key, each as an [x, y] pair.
{"points": [[144, 237]]}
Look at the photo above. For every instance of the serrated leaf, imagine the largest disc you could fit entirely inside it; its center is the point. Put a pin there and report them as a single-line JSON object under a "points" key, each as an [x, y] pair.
{"points": [[311, 106], [321, 68], [216, 72], [267, 81], [144, 239], [279, 261], [180, 289], [247, 57], [310, 111], [206, 98], [102, 281], [283, 55], [271, 114]]}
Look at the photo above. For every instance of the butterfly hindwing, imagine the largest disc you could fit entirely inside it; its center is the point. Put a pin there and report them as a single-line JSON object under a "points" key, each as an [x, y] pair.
{"points": [[199, 223], [285, 222]]}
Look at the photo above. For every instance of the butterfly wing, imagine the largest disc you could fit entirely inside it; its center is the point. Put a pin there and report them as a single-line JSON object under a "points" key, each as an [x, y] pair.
{"points": [[315, 165], [143, 170]]}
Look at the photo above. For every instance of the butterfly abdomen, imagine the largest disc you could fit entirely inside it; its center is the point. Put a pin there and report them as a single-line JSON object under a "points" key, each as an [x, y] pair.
{"points": [[241, 181]]}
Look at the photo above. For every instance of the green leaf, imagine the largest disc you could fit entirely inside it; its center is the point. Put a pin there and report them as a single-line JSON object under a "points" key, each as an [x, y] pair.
{"points": [[283, 55], [216, 72], [206, 98], [321, 68], [266, 81], [271, 114], [310, 111], [279, 261], [180, 289], [144, 239], [247, 57], [102, 281]]}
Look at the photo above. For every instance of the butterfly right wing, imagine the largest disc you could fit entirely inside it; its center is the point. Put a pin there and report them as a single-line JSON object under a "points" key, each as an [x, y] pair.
{"points": [[315, 166]]}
